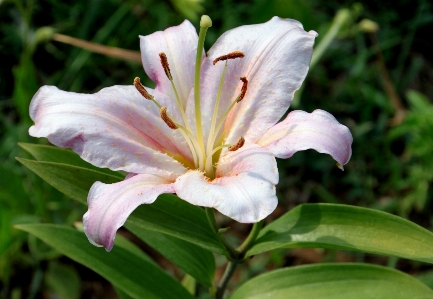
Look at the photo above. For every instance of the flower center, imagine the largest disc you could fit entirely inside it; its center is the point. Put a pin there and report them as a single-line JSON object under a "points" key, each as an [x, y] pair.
{"points": [[203, 155]]}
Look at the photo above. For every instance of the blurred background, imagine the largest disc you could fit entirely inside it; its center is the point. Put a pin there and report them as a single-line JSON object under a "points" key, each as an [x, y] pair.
{"points": [[372, 69]]}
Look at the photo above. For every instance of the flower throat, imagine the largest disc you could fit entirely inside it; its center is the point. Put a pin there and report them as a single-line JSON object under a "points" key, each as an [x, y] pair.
{"points": [[203, 154]]}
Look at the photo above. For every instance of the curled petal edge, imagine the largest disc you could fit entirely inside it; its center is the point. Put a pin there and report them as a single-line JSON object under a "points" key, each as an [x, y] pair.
{"points": [[318, 130], [111, 204]]}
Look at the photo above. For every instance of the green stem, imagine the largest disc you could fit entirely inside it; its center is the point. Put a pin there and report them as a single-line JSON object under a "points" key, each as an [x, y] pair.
{"points": [[210, 214], [230, 270], [341, 18], [251, 238]]}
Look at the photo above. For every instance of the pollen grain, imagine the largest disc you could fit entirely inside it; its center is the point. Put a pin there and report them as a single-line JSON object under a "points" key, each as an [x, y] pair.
{"points": [[232, 55], [165, 65], [142, 90], [237, 145], [170, 123], [244, 89]]}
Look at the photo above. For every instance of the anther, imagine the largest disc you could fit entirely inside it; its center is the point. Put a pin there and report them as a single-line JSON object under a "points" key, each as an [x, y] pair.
{"points": [[170, 123], [165, 65], [244, 89], [141, 89], [237, 145], [232, 55]]}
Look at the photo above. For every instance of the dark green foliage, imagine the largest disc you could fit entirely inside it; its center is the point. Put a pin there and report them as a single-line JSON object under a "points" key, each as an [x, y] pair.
{"points": [[391, 167]]}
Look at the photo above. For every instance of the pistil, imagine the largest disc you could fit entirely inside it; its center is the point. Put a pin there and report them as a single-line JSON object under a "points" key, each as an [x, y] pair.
{"points": [[205, 23]]}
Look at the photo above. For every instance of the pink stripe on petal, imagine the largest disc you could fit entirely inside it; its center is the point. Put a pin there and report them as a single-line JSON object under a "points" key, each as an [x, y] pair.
{"points": [[318, 130], [111, 204], [115, 128], [277, 59], [244, 187], [179, 43]]}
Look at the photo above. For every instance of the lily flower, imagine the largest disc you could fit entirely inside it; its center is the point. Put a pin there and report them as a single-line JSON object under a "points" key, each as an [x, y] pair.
{"points": [[208, 132]]}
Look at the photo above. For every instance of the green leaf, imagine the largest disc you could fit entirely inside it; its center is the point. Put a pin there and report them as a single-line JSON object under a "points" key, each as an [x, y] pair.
{"points": [[334, 281], [194, 260], [175, 217], [73, 181], [127, 271], [349, 228], [55, 154], [168, 215], [63, 280], [122, 294]]}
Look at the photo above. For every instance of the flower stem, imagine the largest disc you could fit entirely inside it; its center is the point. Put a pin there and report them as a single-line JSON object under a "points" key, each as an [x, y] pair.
{"points": [[210, 214], [251, 238], [230, 270], [236, 256]]}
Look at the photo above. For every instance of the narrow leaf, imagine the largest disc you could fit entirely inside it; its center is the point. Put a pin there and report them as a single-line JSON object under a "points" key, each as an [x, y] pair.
{"points": [[349, 228], [169, 214], [175, 217], [128, 272], [73, 181], [194, 260], [334, 281], [55, 154]]}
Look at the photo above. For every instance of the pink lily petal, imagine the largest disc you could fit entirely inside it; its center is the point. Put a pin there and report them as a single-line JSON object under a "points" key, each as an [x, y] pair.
{"points": [[277, 59], [244, 187], [179, 43], [318, 130], [115, 128], [111, 204]]}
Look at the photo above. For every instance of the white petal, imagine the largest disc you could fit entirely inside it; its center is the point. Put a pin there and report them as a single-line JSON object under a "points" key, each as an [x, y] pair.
{"points": [[179, 43], [244, 187], [318, 130], [115, 128], [277, 59], [110, 205]]}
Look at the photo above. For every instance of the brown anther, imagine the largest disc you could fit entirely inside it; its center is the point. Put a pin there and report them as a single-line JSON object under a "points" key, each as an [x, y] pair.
{"points": [[141, 89], [237, 145], [244, 89], [232, 55], [165, 65], [170, 123]]}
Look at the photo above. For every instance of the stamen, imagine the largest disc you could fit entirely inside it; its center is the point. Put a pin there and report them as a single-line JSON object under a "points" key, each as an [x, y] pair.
{"points": [[232, 55], [244, 89], [170, 123], [237, 145], [165, 65], [224, 117], [142, 90]]}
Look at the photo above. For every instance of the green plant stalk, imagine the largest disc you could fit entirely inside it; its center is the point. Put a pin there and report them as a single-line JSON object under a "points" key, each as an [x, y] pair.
{"points": [[255, 230], [210, 214], [230, 270], [236, 256], [341, 18]]}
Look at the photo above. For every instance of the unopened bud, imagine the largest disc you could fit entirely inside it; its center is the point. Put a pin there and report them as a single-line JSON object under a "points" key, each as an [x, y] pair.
{"points": [[369, 26]]}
